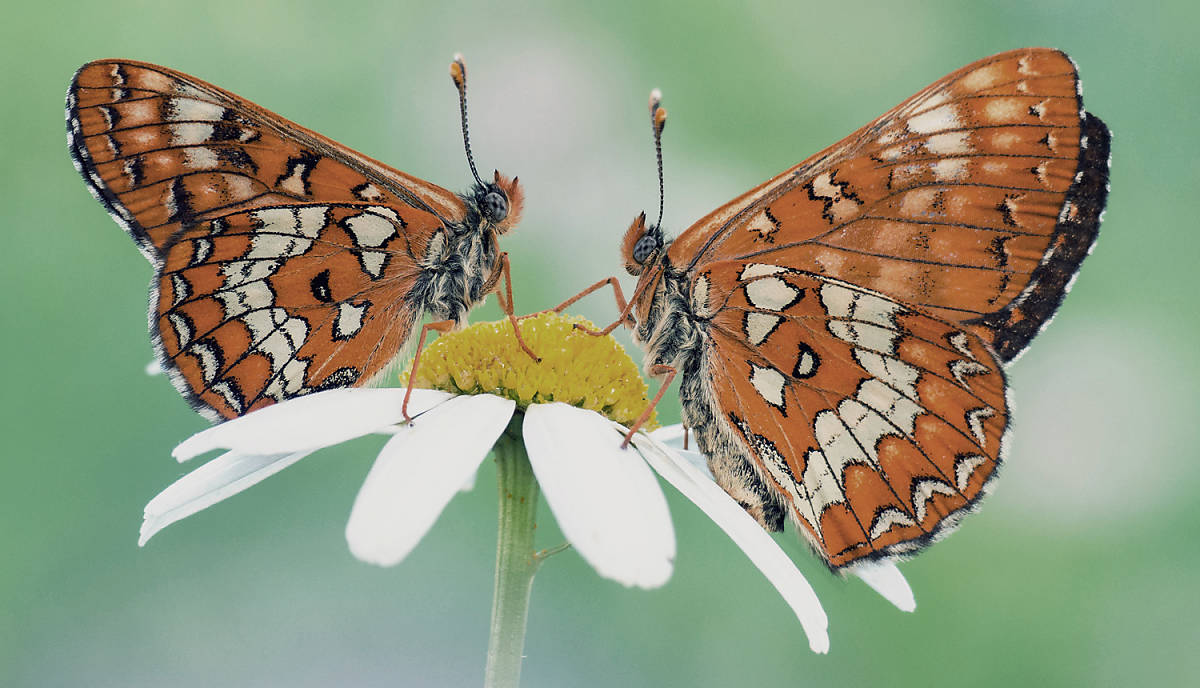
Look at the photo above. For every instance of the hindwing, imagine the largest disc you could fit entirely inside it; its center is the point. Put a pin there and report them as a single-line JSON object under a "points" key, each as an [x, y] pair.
{"points": [[874, 423], [255, 307]]}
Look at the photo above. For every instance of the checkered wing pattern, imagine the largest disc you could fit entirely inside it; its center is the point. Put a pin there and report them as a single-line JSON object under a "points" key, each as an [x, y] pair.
{"points": [[879, 423], [841, 328], [285, 262]]}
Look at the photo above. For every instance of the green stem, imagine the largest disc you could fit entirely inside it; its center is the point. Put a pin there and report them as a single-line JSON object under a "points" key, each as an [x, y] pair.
{"points": [[515, 560]]}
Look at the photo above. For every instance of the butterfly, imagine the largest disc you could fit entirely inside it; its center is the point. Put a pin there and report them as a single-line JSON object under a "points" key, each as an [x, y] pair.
{"points": [[285, 263], [841, 330]]}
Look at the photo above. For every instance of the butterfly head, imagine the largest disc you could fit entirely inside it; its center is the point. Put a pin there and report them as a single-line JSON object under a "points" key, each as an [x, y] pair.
{"points": [[642, 245], [499, 203]]}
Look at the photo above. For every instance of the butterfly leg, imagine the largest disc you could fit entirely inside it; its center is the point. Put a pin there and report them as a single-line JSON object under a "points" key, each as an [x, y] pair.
{"points": [[655, 370], [617, 294], [442, 326], [506, 303]]}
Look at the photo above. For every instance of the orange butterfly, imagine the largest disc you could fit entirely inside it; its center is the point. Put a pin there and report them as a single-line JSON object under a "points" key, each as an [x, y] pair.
{"points": [[285, 263], [841, 329]]}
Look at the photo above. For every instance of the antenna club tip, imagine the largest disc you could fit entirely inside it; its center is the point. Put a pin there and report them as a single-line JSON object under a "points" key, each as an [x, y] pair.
{"points": [[655, 98], [458, 70]]}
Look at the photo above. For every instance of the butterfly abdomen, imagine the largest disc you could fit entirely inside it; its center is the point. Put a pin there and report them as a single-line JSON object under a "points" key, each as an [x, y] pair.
{"points": [[674, 333]]}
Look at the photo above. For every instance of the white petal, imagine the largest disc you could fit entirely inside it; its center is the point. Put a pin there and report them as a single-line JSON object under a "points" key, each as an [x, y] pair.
{"points": [[698, 462], [310, 422], [885, 578], [606, 500], [417, 473], [670, 435], [213, 482], [746, 533]]}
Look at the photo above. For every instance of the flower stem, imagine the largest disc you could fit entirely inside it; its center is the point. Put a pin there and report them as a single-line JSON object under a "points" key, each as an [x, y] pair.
{"points": [[515, 560]]}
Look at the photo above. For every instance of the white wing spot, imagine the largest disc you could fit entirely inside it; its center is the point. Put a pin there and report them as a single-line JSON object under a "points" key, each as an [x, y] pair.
{"points": [[208, 358], [898, 409], [201, 158], [887, 519], [949, 143], [186, 109], [769, 384], [823, 486], [349, 319], [771, 293], [759, 270], [369, 229], [959, 341], [965, 467], [982, 78], [182, 327], [310, 220], [806, 365], [368, 193], [866, 425], [950, 169], [700, 297], [893, 371], [190, 133], [180, 289], [961, 368], [924, 490], [759, 326], [294, 183], [229, 393], [289, 381], [975, 418], [1002, 110], [245, 297], [938, 119], [372, 262], [864, 335]]}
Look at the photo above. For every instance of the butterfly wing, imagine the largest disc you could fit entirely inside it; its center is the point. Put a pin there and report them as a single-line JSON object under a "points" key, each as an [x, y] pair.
{"points": [[162, 149], [257, 306], [285, 262], [976, 199], [874, 424]]}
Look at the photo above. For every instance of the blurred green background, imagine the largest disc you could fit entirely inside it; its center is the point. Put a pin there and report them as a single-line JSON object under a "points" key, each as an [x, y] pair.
{"points": [[1080, 570]]}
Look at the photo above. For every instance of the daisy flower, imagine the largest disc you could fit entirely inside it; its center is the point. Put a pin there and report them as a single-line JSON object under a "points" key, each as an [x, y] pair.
{"points": [[555, 426]]}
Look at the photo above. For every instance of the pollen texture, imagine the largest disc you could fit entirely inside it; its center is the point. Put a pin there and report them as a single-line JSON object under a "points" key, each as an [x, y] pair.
{"points": [[590, 372]]}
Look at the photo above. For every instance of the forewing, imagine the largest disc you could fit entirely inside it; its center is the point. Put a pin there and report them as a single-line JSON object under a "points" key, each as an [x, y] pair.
{"points": [[258, 306], [161, 149], [976, 199], [876, 424]]}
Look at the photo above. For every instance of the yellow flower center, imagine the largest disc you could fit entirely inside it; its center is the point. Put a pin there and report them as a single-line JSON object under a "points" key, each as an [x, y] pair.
{"points": [[576, 368]]}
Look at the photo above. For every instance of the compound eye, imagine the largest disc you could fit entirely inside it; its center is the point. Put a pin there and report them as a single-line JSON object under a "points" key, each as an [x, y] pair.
{"points": [[494, 206], [643, 248]]}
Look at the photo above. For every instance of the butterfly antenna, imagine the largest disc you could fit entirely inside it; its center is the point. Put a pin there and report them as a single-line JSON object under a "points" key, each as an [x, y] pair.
{"points": [[458, 72], [658, 120]]}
